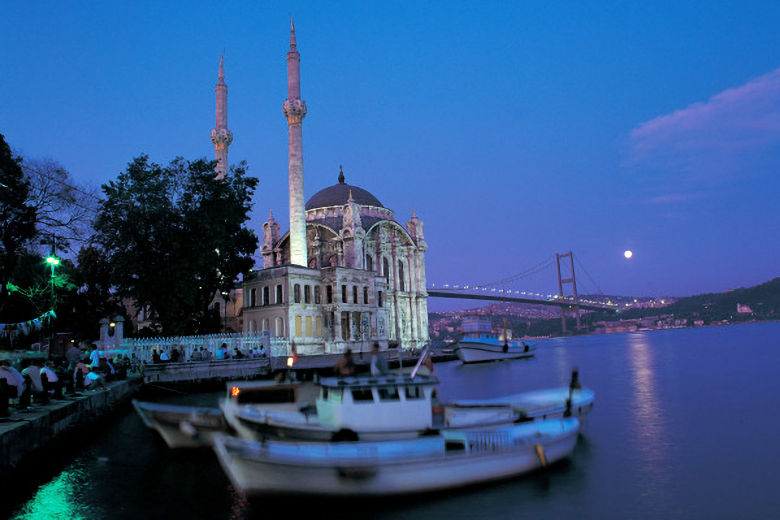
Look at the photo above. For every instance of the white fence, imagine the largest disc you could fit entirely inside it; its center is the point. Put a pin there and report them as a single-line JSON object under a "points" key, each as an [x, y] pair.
{"points": [[245, 342]]}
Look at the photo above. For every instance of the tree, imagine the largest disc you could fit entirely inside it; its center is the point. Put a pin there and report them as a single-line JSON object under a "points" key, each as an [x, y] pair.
{"points": [[175, 235], [63, 209], [17, 218]]}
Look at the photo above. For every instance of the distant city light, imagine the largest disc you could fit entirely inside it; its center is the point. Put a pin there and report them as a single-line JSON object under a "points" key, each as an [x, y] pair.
{"points": [[628, 254]]}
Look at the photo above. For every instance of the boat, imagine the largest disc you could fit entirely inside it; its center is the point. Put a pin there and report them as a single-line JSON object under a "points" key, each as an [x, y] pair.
{"points": [[395, 406], [182, 426], [480, 344], [194, 426], [451, 459]]}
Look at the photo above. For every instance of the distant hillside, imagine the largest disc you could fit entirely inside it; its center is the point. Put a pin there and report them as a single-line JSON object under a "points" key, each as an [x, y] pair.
{"points": [[758, 303]]}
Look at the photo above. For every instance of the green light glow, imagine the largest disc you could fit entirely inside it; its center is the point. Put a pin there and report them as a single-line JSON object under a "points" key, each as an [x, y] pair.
{"points": [[53, 260], [58, 499]]}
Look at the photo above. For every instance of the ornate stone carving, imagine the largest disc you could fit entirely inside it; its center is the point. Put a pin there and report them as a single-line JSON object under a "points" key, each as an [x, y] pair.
{"points": [[221, 137], [294, 110]]}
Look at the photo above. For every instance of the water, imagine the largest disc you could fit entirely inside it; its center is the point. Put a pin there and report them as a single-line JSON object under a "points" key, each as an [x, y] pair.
{"points": [[685, 426]]}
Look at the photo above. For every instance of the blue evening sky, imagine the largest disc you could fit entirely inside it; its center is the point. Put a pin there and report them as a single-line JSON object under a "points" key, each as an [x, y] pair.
{"points": [[514, 129]]}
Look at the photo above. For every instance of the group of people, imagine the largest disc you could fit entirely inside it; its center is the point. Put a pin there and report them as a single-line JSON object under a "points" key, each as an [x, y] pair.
{"points": [[30, 380], [174, 355]]}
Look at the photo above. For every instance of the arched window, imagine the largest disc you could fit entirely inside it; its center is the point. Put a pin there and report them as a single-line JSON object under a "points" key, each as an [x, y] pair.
{"points": [[265, 325], [386, 269], [279, 328], [369, 263], [266, 295], [308, 327], [317, 294], [307, 294], [401, 276], [298, 326], [252, 297], [329, 293], [278, 294], [297, 293], [318, 326]]}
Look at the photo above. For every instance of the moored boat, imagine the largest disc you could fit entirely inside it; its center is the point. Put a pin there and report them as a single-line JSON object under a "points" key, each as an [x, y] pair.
{"points": [[448, 460], [194, 426], [397, 407], [484, 349], [182, 426], [480, 343]]}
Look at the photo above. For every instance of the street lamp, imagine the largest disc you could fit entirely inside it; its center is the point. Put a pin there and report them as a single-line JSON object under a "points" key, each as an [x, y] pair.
{"points": [[52, 260]]}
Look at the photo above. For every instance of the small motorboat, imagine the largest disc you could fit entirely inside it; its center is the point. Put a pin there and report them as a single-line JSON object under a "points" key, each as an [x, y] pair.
{"points": [[480, 344], [448, 460]]}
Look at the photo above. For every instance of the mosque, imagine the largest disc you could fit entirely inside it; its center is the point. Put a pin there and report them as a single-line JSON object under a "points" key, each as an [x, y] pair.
{"points": [[346, 274]]}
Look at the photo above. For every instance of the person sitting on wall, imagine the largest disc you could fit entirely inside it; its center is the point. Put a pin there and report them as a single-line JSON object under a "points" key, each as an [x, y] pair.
{"points": [[164, 356], [237, 354], [175, 355], [14, 378], [33, 371], [346, 365], [53, 384]]}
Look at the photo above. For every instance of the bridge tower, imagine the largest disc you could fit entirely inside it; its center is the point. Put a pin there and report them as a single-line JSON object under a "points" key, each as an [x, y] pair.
{"points": [[573, 281]]}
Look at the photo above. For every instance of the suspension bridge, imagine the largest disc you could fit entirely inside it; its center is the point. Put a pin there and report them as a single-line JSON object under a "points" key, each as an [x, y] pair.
{"points": [[500, 290]]}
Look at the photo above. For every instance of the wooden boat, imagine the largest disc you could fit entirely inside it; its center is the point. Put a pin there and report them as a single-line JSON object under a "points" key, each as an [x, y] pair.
{"points": [[182, 426], [193, 427], [399, 407], [449, 460]]}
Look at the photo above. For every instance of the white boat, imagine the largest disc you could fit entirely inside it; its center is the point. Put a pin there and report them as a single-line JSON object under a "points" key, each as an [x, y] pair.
{"points": [[194, 426], [480, 344], [350, 408], [449, 460], [399, 407], [182, 426], [483, 349]]}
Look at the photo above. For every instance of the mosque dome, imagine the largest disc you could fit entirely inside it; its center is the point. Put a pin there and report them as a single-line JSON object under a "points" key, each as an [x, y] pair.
{"points": [[338, 194]]}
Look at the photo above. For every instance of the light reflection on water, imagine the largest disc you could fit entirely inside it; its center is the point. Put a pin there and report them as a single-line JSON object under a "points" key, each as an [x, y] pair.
{"points": [[650, 438], [60, 498]]}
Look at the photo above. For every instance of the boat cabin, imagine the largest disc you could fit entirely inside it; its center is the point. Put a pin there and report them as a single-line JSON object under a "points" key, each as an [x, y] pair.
{"points": [[383, 403]]}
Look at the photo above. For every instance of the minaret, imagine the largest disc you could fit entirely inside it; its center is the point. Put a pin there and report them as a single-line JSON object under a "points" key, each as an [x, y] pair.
{"points": [[295, 110], [221, 136]]}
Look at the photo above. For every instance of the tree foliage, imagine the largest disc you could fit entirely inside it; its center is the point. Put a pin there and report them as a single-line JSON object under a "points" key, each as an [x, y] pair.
{"points": [[17, 219], [174, 236]]}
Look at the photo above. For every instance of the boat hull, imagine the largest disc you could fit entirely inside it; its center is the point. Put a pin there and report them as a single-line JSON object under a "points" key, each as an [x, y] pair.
{"points": [[482, 352], [182, 426], [256, 468]]}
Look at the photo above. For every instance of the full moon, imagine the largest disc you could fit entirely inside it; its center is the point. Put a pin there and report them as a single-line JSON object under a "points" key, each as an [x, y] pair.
{"points": [[628, 254]]}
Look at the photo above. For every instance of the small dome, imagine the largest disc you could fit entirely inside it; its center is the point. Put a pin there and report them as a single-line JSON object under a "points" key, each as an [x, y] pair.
{"points": [[338, 194]]}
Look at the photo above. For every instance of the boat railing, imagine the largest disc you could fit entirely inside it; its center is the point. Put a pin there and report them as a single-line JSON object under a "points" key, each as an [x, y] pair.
{"points": [[488, 440]]}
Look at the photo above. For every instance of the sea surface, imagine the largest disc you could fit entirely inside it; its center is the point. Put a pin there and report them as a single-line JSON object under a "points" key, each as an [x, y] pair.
{"points": [[685, 425]]}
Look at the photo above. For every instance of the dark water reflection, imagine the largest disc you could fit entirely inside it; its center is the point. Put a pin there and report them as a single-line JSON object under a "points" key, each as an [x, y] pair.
{"points": [[685, 426]]}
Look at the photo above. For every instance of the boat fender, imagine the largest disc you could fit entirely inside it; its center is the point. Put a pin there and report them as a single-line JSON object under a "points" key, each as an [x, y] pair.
{"points": [[505, 348], [345, 435], [539, 449]]}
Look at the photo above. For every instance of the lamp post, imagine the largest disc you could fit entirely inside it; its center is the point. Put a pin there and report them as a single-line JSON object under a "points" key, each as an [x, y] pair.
{"points": [[52, 260], [224, 310]]}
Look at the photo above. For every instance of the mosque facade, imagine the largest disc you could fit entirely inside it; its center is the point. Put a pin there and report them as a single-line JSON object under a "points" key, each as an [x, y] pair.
{"points": [[346, 274]]}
